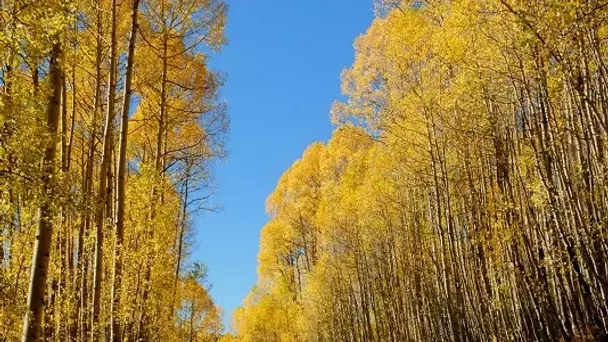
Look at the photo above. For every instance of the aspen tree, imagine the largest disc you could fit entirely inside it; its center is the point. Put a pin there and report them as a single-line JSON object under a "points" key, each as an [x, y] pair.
{"points": [[37, 288]]}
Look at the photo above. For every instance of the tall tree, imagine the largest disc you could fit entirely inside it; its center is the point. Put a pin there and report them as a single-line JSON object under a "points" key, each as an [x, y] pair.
{"points": [[104, 185], [36, 298], [121, 177], [462, 196], [67, 68]]}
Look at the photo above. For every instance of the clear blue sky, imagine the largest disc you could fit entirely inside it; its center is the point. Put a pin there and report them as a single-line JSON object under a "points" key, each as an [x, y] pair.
{"points": [[283, 67]]}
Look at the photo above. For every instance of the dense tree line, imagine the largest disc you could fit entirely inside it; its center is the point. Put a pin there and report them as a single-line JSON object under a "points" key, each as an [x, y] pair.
{"points": [[109, 123], [463, 196]]}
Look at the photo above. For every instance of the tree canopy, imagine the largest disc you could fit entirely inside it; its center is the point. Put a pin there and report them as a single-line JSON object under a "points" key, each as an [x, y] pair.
{"points": [[462, 196]]}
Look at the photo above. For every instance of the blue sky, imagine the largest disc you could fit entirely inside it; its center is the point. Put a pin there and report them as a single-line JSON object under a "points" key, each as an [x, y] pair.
{"points": [[283, 67]]}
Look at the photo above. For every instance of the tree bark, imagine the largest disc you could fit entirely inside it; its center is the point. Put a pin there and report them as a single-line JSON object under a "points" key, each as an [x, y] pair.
{"points": [[102, 199], [121, 178], [39, 269]]}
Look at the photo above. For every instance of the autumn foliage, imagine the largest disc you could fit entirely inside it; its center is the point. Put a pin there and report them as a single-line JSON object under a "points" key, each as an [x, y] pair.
{"points": [[462, 197], [109, 123]]}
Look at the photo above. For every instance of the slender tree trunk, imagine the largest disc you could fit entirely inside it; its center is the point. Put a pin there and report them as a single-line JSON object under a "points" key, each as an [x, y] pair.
{"points": [[72, 119], [102, 198], [158, 166], [180, 240], [39, 269], [121, 178]]}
